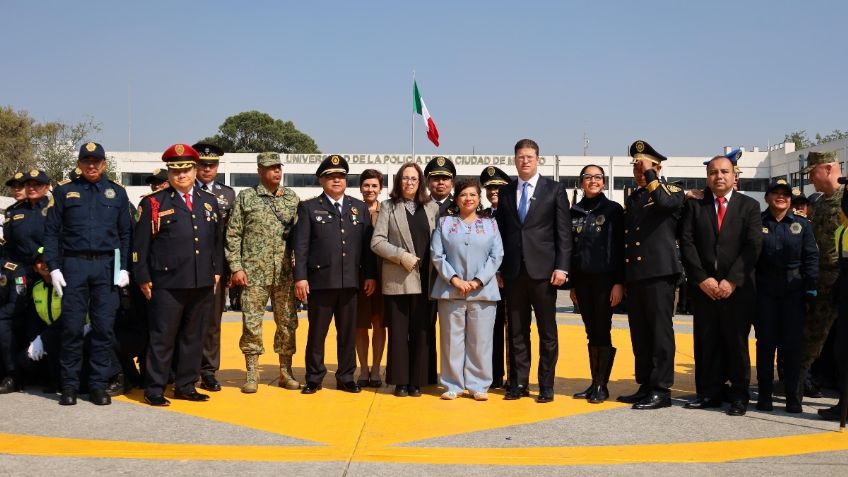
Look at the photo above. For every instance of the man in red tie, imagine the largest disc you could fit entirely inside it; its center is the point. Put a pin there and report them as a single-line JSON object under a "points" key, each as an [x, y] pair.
{"points": [[720, 243]]}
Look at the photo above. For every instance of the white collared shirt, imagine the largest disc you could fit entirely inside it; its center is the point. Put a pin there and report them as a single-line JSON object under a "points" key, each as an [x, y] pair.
{"points": [[190, 194], [333, 201], [726, 204]]}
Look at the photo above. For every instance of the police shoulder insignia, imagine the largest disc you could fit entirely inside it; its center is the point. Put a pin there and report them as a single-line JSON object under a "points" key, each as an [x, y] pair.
{"points": [[135, 257], [109, 193], [795, 228], [765, 230], [18, 217], [90, 147], [673, 188], [72, 195], [10, 266], [207, 206], [64, 181]]}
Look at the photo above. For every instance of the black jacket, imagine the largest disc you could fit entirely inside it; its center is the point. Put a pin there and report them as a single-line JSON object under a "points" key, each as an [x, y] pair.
{"points": [[597, 226]]}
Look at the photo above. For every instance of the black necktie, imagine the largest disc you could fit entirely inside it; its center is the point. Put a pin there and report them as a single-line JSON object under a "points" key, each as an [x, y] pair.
{"points": [[339, 207]]}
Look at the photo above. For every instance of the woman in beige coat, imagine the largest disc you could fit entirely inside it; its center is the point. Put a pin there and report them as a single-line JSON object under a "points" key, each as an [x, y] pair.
{"points": [[402, 238]]}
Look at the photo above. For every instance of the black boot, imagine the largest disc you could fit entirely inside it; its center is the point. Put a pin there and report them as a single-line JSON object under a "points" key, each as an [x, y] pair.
{"points": [[764, 395], [606, 356], [794, 391], [593, 366]]}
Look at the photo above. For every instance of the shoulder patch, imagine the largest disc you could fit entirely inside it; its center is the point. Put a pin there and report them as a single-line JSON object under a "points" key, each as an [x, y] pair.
{"points": [[10, 266], [673, 188], [64, 181]]}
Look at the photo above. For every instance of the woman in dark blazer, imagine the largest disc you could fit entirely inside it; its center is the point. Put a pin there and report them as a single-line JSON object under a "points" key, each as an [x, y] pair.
{"points": [[597, 273], [402, 239]]}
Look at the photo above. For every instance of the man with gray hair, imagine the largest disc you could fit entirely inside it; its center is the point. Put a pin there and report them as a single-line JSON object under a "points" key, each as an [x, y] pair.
{"points": [[260, 258]]}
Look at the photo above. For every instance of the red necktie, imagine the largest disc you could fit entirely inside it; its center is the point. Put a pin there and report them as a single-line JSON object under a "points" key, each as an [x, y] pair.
{"points": [[187, 198], [721, 210]]}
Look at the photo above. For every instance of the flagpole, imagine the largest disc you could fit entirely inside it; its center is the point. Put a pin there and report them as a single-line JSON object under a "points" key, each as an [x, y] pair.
{"points": [[412, 123]]}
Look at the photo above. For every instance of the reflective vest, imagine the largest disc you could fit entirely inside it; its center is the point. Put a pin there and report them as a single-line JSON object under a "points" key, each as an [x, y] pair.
{"points": [[47, 303]]}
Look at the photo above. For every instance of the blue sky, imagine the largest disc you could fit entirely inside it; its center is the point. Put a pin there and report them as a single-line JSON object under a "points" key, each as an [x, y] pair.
{"points": [[689, 77]]}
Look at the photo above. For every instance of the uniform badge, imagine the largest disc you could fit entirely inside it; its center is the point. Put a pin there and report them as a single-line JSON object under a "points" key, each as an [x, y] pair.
{"points": [[90, 147], [78, 171], [795, 228], [765, 230], [640, 146], [207, 206], [600, 220], [11, 266], [33, 173], [166, 212], [335, 160], [135, 257], [20, 285], [109, 193], [319, 218], [491, 171], [179, 149], [354, 211], [440, 161], [3, 280], [19, 175], [72, 195], [18, 217]]}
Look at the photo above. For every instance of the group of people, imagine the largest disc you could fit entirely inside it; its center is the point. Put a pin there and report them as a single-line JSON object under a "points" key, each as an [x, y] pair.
{"points": [[431, 250]]}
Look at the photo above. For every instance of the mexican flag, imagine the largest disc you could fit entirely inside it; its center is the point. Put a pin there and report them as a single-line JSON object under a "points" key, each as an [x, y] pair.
{"points": [[421, 108]]}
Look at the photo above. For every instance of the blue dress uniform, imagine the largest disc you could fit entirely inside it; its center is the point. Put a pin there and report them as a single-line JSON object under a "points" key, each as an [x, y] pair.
{"points": [[88, 224], [24, 229], [12, 288], [652, 269], [178, 250], [787, 270], [331, 249]]}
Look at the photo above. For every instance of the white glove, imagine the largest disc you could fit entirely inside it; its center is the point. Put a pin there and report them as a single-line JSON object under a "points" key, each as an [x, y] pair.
{"points": [[58, 281], [123, 279], [86, 329], [36, 349]]}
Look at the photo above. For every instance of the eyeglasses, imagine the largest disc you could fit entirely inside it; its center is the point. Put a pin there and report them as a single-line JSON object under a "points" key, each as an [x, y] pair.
{"points": [[592, 177], [409, 179]]}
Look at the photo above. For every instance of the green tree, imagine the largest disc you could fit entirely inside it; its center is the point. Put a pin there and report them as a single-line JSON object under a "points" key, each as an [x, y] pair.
{"points": [[799, 138], [255, 131], [833, 136], [16, 151], [56, 146]]}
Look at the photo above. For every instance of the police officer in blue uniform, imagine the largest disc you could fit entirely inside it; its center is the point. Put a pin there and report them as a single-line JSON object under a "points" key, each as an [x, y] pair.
{"points": [[86, 246], [786, 272], [177, 250], [24, 226], [331, 248], [12, 297]]}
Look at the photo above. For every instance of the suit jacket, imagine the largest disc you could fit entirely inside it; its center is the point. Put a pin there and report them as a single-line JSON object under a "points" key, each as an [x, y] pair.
{"points": [[651, 219], [330, 250], [727, 255], [391, 240], [174, 247], [543, 241], [468, 255]]}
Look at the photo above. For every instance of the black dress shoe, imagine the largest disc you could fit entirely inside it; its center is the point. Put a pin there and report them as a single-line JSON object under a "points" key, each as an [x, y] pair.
{"points": [[414, 391], [310, 388], [830, 413], [348, 387], [116, 385], [765, 405], [157, 400], [401, 391], [546, 394], [794, 408], [375, 383], [210, 383], [737, 408], [517, 392], [703, 403], [639, 395], [99, 397], [653, 401], [69, 396], [585, 393], [192, 395], [7, 385]]}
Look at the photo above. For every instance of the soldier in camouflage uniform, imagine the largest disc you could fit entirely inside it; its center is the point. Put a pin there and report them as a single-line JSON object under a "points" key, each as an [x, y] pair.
{"points": [[259, 256], [824, 170]]}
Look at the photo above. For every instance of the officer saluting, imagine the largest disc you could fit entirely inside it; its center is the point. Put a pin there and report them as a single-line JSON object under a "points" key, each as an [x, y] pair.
{"points": [[332, 243], [651, 272], [207, 171], [177, 263], [86, 247]]}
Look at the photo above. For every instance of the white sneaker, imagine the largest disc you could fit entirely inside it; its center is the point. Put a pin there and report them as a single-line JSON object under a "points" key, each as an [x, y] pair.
{"points": [[448, 395], [481, 396]]}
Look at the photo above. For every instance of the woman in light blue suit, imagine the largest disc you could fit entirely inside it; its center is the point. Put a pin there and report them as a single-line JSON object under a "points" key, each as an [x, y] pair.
{"points": [[466, 251]]}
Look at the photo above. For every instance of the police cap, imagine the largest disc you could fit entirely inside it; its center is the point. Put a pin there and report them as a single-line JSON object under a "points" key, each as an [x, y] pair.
{"points": [[440, 166], [16, 180], [159, 176], [779, 184], [493, 177], [332, 164], [92, 149], [640, 150], [209, 153], [180, 156], [37, 176]]}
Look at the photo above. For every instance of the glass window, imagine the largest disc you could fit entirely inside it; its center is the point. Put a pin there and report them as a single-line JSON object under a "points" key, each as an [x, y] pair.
{"points": [[242, 179], [129, 179]]}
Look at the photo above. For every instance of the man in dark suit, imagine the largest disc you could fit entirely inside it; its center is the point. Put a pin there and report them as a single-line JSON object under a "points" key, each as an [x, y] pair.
{"points": [[720, 244], [652, 270], [207, 171], [176, 255], [535, 225], [331, 245]]}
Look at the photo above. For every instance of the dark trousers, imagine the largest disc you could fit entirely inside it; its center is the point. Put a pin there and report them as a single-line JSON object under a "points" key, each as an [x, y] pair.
{"points": [[432, 369], [720, 330], [593, 295], [650, 307], [522, 293], [90, 291], [323, 306], [498, 344], [7, 347], [47, 370], [779, 325], [211, 361], [175, 319], [840, 347], [410, 335]]}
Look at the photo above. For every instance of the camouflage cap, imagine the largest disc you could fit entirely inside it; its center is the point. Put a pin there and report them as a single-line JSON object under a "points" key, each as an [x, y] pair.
{"points": [[816, 158], [267, 159]]}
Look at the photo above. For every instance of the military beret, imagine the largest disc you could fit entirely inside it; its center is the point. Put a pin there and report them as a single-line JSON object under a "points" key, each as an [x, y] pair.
{"points": [[92, 149], [492, 177], [37, 176], [180, 156], [440, 166], [16, 179], [816, 158], [267, 159], [158, 176], [779, 184], [642, 150], [332, 164], [209, 153], [733, 156]]}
